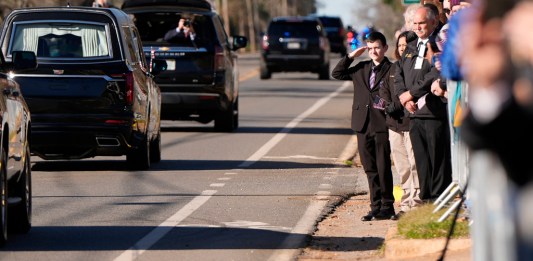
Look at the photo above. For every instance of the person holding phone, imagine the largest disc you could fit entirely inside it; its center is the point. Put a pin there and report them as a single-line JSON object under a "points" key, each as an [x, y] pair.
{"points": [[184, 32]]}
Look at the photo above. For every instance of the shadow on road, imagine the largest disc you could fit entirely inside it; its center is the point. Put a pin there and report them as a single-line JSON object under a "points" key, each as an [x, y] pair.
{"points": [[178, 165]]}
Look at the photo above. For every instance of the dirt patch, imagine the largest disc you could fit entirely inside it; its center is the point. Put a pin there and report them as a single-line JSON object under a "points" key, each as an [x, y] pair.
{"points": [[343, 236]]}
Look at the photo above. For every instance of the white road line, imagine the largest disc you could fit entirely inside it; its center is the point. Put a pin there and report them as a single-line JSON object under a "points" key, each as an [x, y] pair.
{"points": [[290, 245], [294, 241], [325, 186], [217, 185], [299, 157], [282, 133], [160, 231]]}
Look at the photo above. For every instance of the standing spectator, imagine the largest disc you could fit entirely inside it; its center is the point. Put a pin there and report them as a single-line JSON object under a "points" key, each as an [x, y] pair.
{"points": [[408, 15], [98, 3], [499, 73], [429, 131], [436, 12], [368, 121], [497, 62], [398, 123], [447, 9], [457, 5]]}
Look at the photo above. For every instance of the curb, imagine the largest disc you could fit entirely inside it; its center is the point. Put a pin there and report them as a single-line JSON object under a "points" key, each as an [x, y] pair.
{"points": [[397, 248]]}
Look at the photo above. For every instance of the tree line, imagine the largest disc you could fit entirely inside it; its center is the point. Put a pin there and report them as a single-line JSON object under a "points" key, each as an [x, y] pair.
{"points": [[250, 17]]}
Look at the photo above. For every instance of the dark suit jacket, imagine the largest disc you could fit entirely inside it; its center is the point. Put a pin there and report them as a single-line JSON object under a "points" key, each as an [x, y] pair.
{"points": [[365, 118], [418, 83], [173, 36], [508, 136], [397, 116]]}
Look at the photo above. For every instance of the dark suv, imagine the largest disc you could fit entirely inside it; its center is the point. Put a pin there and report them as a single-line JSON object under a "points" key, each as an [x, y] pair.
{"points": [[336, 34], [15, 165], [293, 44], [92, 93], [201, 81]]}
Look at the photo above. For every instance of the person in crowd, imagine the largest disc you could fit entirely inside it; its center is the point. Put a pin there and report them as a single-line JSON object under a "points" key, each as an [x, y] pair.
{"points": [[447, 9], [408, 15], [368, 121], [499, 72], [98, 3], [429, 128], [497, 62], [184, 32], [457, 5], [400, 142], [436, 13]]}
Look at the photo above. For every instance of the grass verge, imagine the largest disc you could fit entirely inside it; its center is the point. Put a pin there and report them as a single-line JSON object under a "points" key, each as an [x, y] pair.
{"points": [[421, 223], [348, 163]]}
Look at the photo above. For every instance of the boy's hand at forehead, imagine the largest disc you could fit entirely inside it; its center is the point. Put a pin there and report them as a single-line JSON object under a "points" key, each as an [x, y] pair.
{"points": [[357, 52]]}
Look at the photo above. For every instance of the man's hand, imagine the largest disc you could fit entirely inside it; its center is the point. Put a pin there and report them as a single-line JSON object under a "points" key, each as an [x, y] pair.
{"points": [[181, 24], [405, 97], [429, 53], [411, 107], [357, 52], [436, 90]]}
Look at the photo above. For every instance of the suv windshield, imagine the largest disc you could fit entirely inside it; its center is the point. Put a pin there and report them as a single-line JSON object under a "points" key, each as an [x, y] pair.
{"points": [[61, 39], [300, 29], [154, 26]]}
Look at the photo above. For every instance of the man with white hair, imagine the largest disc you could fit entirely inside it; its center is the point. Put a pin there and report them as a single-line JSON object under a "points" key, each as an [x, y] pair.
{"points": [[429, 128]]}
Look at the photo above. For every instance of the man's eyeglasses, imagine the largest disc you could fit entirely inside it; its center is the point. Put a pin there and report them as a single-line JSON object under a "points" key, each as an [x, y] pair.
{"points": [[446, 11]]}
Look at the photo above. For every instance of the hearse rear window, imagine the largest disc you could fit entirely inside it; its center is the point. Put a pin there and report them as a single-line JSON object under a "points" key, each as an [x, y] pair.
{"points": [[61, 39], [153, 27]]}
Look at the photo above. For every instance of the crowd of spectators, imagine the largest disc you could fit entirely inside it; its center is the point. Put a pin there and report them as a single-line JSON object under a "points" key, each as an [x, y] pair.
{"points": [[479, 63]]}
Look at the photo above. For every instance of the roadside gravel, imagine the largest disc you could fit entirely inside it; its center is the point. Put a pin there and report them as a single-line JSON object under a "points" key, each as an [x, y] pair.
{"points": [[342, 236]]}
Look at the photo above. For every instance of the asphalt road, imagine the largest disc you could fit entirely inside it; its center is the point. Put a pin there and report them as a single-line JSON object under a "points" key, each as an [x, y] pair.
{"points": [[254, 194]]}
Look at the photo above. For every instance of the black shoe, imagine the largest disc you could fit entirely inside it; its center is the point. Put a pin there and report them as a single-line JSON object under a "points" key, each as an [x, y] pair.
{"points": [[368, 217], [385, 215]]}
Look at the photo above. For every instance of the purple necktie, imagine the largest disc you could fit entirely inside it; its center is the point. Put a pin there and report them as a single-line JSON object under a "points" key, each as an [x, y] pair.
{"points": [[372, 77]]}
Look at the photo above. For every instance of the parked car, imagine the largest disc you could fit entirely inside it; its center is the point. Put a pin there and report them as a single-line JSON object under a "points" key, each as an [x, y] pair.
{"points": [[201, 82], [336, 34], [295, 44], [15, 165], [92, 93]]}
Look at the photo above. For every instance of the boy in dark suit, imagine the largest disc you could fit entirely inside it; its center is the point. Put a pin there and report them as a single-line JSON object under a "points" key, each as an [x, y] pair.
{"points": [[368, 121]]}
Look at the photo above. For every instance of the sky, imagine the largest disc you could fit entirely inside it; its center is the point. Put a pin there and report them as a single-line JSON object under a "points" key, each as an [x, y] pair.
{"points": [[342, 8]]}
